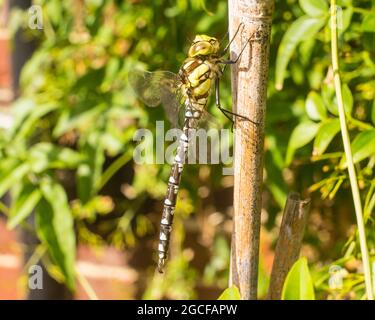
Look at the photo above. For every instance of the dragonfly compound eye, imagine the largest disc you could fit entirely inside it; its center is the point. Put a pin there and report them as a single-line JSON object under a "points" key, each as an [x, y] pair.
{"points": [[204, 45]]}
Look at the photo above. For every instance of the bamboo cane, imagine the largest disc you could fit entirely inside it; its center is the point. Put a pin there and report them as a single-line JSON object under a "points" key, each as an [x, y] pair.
{"points": [[289, 243], [249, 85]]}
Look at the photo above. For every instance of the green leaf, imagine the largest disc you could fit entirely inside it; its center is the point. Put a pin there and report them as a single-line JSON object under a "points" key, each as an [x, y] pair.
{"points": [[89, 172], [111, 72], [373, 113], [314, 8], [45, 155], [346, 19], [369, 41], [11, 172], [325, 135], [315, 107], [28, 125], [330, 99], [54, 225], [54, 11], [368, 23], [301, 135], [347, 98], [294, 35], [75, 119], [328, 95], [363, 147], [274, 162], [112, 142], [21, 109], [23, 204], [231, 293], [298, 283]]}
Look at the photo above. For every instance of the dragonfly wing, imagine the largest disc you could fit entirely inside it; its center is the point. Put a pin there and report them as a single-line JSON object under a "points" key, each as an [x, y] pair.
{"points": [[208, 121], [172, 101], [160, 87]]}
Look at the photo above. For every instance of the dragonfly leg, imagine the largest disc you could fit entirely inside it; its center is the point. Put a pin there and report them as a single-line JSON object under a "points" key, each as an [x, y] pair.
{"points": [[227, 113], [234, 37], [226, 62]]}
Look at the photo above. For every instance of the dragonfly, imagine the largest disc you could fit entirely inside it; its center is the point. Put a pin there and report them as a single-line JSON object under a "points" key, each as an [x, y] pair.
{"points": [[189, 91]]}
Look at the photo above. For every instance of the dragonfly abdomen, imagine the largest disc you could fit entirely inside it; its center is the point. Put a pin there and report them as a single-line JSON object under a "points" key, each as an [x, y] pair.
{"points": [[192, 117]]}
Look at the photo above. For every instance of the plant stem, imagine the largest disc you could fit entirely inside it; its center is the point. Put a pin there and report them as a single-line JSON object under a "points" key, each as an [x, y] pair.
{"points": [[114, 167], [348, 153], [38, 253], [86, 286], [362, 11], [360, 124], [326, 156], [4, 209]]}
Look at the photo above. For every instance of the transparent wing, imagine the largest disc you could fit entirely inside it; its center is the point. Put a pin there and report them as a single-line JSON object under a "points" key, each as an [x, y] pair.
{"points": [[160, 87], [208, 121]]}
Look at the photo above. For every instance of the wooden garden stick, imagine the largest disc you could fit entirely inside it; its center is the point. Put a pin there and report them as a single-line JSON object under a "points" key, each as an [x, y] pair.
{"points": [[289, 243], [249, 85]]}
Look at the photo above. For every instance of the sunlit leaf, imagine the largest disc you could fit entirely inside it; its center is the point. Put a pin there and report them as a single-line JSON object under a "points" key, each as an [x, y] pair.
{"points": [[346, 19], [347, 98], [301, 135], [21, 108], [46, 155], [314, 8], [315, 107], [89, 172], [54, 225], [24, 202], [11, 172], [231, 293], [298, 283], [29, 123], [326, 133], [329, 98], [54, 11], [71, 119], [363, 146], [368, 23], [295, 34]]}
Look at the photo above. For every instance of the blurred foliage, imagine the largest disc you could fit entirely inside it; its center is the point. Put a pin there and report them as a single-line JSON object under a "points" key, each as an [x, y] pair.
{"points": [[69, 153]]}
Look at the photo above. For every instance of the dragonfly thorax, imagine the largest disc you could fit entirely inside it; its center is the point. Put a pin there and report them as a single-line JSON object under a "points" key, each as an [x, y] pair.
{"points": [[197, 76]]}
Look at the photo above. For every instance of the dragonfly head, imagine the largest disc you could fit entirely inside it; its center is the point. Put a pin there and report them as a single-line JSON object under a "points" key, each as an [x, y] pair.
{"points": [[203, 46]]}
